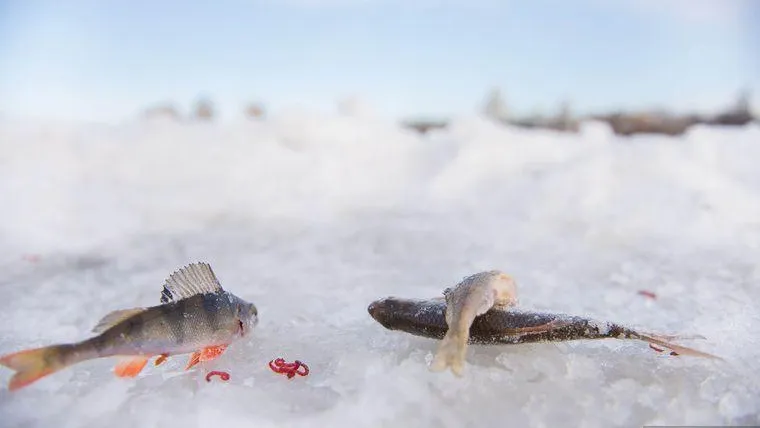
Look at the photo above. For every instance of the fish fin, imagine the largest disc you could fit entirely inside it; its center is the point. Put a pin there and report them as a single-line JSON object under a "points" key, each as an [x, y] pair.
{"points": [[195, 358], [536, 329], [113, 318], [161, 359], [212, 352], [130, 367], [206, 354], [31, 365], [195, 278], [681, 350]]}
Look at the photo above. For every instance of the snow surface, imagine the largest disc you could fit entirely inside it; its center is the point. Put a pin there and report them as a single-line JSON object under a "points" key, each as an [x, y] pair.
{"points": [[312, 217]]}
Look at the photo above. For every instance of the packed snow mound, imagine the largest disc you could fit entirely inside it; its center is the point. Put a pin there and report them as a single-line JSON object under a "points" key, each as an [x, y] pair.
{"points": [[312, 217]]}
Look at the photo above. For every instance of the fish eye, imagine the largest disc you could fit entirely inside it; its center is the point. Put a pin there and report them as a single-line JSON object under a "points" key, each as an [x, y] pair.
{"points": [[240, 310]]}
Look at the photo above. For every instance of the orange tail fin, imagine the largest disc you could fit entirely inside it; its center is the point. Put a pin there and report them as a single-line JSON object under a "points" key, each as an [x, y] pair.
{"points": [[34, 364]]}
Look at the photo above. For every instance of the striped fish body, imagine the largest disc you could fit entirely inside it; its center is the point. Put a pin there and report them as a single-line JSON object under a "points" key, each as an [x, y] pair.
{"points": [[196, 315], [175, 328]]}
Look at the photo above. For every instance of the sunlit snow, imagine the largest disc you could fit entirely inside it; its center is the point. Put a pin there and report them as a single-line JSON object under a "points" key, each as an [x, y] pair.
{"points": [[312, 217]]}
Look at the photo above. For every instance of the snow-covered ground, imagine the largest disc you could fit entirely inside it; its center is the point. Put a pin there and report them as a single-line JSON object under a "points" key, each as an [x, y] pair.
{"points": [[313, 217]]}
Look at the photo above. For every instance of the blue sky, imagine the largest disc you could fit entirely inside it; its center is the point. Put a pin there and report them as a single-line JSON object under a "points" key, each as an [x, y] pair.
{"points": [[106, 60]]}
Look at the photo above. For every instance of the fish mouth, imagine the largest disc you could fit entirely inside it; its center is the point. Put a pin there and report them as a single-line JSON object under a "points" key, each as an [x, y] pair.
{"points": [[382, 311], [244, 327], [375, 309]]}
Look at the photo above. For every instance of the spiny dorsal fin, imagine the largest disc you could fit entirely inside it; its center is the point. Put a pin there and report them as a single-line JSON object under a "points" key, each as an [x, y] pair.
{"points": [[195, 278], [114, 318]]}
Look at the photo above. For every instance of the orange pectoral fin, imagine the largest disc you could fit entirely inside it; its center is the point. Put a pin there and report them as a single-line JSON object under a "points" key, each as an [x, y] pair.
{"points": [[131, 367], [195, 358], [212, 352], [205, 354]]}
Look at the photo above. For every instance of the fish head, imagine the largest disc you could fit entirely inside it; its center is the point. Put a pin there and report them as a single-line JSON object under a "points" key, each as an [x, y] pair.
{"points": [[247, 315], [383, 310], [394, 313]]}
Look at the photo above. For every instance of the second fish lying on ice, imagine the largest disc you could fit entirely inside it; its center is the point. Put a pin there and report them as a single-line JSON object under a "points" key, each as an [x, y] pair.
{"points": [[481, 310], [196, 315]]}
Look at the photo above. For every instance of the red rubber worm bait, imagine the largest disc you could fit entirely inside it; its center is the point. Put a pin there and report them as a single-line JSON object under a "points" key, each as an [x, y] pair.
{"points": [[289, 369], [224, 375]]}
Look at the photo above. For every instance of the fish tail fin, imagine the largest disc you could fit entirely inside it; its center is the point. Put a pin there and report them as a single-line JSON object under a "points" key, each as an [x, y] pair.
{"points": [[681, 350], [450, 354], [33, 364]]}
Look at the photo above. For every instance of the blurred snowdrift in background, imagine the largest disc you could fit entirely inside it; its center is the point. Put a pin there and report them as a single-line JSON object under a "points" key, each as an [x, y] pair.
{"points": [[313, 217]]}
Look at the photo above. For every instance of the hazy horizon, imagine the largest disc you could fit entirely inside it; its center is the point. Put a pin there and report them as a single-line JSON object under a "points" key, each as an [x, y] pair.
{"points": [[88, 61]]}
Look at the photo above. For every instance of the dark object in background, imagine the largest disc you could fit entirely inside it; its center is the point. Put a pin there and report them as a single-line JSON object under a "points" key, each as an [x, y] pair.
{"points": [[204, 110], [648, 123], [424, 126], [254, 111]]}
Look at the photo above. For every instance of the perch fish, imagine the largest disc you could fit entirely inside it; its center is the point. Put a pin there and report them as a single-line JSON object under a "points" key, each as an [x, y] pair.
{"points": [[196, 315]]}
